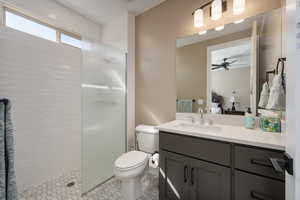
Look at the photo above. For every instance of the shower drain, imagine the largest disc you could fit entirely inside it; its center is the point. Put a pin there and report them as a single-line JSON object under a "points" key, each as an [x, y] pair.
{"points": [[71, 184]]}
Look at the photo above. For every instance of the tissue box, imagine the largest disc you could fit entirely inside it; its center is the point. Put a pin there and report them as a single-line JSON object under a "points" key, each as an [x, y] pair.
{"points": [[270, 124]]}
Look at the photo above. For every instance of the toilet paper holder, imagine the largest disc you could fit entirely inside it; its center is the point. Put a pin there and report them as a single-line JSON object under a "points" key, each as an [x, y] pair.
{"points": [[156, 152]]}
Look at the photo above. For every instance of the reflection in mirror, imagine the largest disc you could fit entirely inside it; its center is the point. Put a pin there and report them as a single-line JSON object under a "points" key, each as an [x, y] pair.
{"points": [[229, 71], [226, 71]]}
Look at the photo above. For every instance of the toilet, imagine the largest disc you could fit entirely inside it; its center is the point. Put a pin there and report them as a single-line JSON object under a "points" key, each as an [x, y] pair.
{"points": [[130, 166]]}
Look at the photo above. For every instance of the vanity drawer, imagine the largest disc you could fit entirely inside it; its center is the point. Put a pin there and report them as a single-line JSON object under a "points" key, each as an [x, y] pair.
{"points": [[253, 187], [209, 150], [257, 161]]}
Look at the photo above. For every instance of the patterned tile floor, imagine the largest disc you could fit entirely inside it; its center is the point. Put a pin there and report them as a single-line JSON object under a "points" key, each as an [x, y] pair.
{"points": [[111, 190]]}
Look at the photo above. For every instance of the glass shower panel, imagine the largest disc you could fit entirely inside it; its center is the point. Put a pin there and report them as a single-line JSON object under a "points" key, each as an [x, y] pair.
{"points": [[104, 112]]}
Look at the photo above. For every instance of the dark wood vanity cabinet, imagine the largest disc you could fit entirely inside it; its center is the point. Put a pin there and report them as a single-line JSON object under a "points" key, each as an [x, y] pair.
{"points": [[209, 181], [173, 182], [199, 169], [182, 177]]}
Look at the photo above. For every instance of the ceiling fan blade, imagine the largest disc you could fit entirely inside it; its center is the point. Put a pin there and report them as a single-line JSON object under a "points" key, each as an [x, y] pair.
{"points": [[217, 65], [214, 68]]}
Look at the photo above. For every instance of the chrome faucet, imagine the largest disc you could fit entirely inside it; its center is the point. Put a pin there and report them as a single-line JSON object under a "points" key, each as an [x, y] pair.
{"points": [[201, 112]]}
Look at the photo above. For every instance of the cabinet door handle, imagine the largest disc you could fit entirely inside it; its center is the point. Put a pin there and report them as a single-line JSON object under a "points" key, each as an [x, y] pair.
{"points": [[259, 196], [192, 176], [261, 163], [278, 164], [185, 176]]}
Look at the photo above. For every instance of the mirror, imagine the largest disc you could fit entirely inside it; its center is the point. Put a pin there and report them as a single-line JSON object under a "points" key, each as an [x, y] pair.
{"points": [[227, 70]]}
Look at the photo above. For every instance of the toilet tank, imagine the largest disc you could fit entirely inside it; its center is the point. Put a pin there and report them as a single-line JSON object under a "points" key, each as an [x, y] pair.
{"points": [[147, 138]]}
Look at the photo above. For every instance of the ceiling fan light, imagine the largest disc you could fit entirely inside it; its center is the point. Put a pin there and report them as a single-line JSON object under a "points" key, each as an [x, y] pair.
{"points": [[198, 18], [216, 9], [239, 6]]}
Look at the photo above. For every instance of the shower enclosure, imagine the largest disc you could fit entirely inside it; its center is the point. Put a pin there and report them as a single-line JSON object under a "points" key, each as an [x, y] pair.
{"points": [[103, 85]]}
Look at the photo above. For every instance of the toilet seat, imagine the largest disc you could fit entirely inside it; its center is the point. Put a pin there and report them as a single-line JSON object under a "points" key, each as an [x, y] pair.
{"points": [[131, 160]]}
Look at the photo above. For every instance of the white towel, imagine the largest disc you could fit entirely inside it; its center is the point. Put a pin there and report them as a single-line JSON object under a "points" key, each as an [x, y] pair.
{"points": [[215, 109], [264, 96], [277, 95]]}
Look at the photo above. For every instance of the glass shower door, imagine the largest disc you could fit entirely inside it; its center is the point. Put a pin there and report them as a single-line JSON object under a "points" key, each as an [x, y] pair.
{"points": [[103, 112]]}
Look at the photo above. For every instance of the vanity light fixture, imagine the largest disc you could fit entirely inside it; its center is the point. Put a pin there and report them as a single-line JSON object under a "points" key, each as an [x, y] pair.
{"points": [[198, 18], [219, 28], [239, 6], [239, 21], [216, 9], [202, 32]]}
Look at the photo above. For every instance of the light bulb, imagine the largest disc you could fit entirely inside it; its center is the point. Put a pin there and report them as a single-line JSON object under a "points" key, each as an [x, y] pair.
{"points": [[198, 18], [239, 6], [216, 9]]}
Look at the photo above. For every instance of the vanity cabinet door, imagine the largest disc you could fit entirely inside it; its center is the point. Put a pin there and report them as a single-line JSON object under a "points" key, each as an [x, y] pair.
{"points": [[209, 181], [173, 176]]}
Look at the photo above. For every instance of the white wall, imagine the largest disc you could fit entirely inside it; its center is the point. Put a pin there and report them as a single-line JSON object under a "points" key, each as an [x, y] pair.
{"points": [[120, 34], [238, 80], [131, 82], [42, 79], [114, 32], [293, 96]]}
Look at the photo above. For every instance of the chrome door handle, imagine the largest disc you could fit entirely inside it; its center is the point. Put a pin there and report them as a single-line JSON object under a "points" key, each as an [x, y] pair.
{"points": [[281, 165]]}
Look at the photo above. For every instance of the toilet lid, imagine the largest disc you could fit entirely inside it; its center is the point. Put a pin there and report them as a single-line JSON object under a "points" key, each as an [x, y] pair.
{"points": [[131, 159]]}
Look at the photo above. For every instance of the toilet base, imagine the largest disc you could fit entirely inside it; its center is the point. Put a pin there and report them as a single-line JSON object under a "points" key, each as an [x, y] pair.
{"points": [[131, 188]]}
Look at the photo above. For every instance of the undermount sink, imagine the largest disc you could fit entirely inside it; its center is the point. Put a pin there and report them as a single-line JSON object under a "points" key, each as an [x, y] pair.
{"points": [[198, 127]]}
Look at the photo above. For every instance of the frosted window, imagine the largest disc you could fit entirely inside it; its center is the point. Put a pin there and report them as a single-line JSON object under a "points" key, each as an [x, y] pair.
{"points": [[28, 26], [70, 40]]}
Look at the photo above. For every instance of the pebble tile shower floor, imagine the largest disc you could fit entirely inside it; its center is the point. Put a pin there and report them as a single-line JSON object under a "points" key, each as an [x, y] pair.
{"points": [[57, 189]]}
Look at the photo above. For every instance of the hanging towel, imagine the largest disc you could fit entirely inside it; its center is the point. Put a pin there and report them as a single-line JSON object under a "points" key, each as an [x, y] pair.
{"points": [[264, 96], [277, 95], [185, 106], [8, 188]]}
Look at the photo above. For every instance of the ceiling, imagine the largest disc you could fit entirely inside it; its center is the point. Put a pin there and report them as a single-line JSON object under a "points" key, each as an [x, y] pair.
{"points": [[103, 11]]}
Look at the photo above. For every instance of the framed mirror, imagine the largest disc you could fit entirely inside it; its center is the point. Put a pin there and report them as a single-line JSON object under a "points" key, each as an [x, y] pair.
{"points": [[230, 71]]}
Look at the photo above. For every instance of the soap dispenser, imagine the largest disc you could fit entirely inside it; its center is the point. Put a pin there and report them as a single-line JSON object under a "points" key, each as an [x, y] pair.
{"points": [[249, 119]]}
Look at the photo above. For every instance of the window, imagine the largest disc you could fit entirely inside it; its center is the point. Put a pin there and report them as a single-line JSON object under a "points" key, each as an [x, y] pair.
{"points": [[70, 40], [20, 22], [28, 26]]}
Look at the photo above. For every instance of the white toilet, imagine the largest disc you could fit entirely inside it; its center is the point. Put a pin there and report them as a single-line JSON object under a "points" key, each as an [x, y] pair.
{"points": [[130, 166]]}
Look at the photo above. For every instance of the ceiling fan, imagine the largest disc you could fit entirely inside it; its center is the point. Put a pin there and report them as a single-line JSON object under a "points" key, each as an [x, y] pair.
{"points": [[226, 64]]}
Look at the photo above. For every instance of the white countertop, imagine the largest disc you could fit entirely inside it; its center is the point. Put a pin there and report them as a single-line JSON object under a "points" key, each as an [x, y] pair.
{"points": [[234, 134]]}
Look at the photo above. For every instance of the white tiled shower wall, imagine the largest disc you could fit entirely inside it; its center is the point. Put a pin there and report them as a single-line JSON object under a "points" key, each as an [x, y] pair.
{"points": [[42, 79], [36, 162]]}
